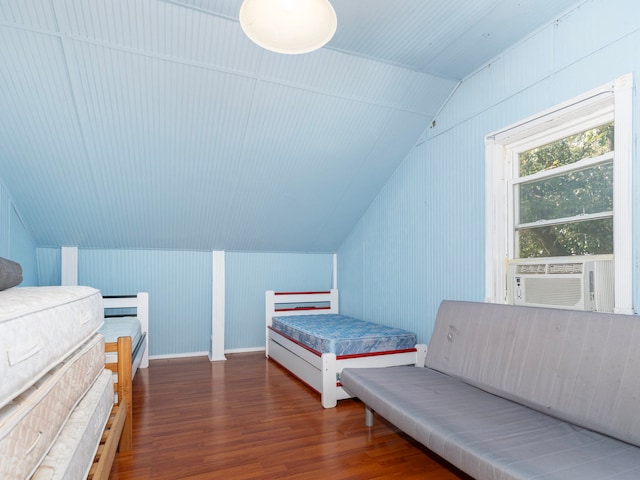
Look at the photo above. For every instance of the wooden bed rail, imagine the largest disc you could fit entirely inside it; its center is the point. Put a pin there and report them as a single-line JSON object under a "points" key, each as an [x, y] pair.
{"points": [[118, 433], [123, 387], [125, 391], [109, 442]]}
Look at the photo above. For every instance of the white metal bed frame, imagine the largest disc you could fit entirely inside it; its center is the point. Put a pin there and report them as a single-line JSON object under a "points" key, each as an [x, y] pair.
{"points": [[321, 371]]}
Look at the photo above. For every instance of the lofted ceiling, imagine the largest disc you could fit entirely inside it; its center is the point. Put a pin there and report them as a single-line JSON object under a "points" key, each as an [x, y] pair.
{"points": [[158, 124]]}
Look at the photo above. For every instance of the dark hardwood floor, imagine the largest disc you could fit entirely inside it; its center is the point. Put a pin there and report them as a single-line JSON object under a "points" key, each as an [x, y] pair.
{"points": [[247, 418]]}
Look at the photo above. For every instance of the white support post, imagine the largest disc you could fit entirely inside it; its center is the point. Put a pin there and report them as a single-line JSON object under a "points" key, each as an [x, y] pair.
{"points": [[335, 272], [69, 266], [142, 312], [218, 308]]}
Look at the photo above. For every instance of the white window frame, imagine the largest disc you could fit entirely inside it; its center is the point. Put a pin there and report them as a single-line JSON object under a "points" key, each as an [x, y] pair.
{"points": [[612, 101]]}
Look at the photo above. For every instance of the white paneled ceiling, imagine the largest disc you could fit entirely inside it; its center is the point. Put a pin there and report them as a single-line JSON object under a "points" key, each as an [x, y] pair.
{"points": [[158, 124]]}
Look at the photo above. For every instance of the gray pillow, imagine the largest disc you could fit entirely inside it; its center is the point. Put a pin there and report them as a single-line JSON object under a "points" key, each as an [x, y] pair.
{"points": [[10, 273]]}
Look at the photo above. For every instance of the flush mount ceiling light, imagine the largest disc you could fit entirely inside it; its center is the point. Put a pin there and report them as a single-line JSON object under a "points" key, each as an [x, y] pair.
{"points": [[288, 26]]}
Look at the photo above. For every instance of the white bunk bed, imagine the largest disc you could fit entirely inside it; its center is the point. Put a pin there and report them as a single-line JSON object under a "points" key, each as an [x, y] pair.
{"points": [[321, 370]]}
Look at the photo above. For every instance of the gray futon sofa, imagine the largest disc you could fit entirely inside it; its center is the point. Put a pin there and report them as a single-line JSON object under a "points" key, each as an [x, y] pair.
{"points": [[511, 392]]}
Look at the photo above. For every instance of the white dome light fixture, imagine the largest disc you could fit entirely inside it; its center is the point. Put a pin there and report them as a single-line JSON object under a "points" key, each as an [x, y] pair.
{"points": [[288, 26]]}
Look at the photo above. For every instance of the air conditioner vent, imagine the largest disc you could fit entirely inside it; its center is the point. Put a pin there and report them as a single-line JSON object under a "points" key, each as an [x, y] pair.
{"points": [[531, 268], [578, 285], [565, 268]]}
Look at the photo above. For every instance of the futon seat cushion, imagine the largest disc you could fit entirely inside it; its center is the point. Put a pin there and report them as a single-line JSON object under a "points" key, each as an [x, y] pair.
{"points": [[582, 367], [487, 436]]}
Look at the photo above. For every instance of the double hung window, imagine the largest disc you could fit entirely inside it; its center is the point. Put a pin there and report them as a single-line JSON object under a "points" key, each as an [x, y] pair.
{"points": [[558, 184]]}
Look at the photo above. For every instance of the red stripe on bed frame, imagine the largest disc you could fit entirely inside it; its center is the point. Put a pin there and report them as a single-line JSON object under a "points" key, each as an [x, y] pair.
{"points": [[300, 308], [301, 293], [343, 357], [375, 354]]}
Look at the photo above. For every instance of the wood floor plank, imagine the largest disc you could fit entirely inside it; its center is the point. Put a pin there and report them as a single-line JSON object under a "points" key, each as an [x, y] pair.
{"points": [[247, 418]]}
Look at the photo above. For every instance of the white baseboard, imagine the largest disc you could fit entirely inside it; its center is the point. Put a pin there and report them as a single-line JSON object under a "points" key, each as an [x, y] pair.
{"points": [[245, 350], [206, 354], [179, 355]]}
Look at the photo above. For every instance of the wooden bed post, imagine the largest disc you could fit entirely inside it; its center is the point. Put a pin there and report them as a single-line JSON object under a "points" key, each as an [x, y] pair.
{"points": [[125, 393]]}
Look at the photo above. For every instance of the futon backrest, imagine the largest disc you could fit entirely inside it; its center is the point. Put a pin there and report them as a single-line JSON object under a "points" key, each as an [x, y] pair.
{"points": [[582, 367]]}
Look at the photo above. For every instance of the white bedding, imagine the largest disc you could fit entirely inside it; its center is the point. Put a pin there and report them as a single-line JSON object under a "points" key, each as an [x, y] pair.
{"points": [[71, 456], [29, 346], [30, 423]]}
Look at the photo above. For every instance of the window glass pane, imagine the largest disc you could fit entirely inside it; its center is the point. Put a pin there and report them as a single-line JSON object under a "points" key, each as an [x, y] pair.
{"points": [[592, 237], [574, 193], [588, 144]]}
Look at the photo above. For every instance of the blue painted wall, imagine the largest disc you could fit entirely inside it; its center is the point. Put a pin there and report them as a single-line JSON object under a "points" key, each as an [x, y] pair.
{"points": [[422, 239], [249, 275], [49, 265], [16, 242], [179, 287], [179, 284]]}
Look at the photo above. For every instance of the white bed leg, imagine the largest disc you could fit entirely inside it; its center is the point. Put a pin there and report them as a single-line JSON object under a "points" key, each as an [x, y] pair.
{"points": [[421, 354], [368, 416], [329, 389], [142, 311]]}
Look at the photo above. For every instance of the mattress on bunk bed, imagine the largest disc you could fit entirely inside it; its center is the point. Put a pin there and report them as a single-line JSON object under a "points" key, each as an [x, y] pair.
{"points": [[343, 335], [115, 327], [71, 456], [39, 327], [30, 423]]}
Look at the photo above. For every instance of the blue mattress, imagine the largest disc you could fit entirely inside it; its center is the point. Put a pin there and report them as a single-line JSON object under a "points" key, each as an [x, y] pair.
{"points": [[115, 327], [342, 335]]}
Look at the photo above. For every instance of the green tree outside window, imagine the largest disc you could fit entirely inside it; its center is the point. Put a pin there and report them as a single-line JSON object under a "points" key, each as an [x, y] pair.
{"points": [[582, 196]]}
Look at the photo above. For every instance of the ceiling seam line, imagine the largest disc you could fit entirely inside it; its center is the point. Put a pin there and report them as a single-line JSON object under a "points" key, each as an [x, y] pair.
{"points": [[201, 10], [549, 76], [223, 70], [228, 71], [74, 96]]}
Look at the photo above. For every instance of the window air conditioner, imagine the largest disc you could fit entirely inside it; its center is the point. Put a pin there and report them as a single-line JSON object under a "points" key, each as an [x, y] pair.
{"points": [[570, 284]]}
